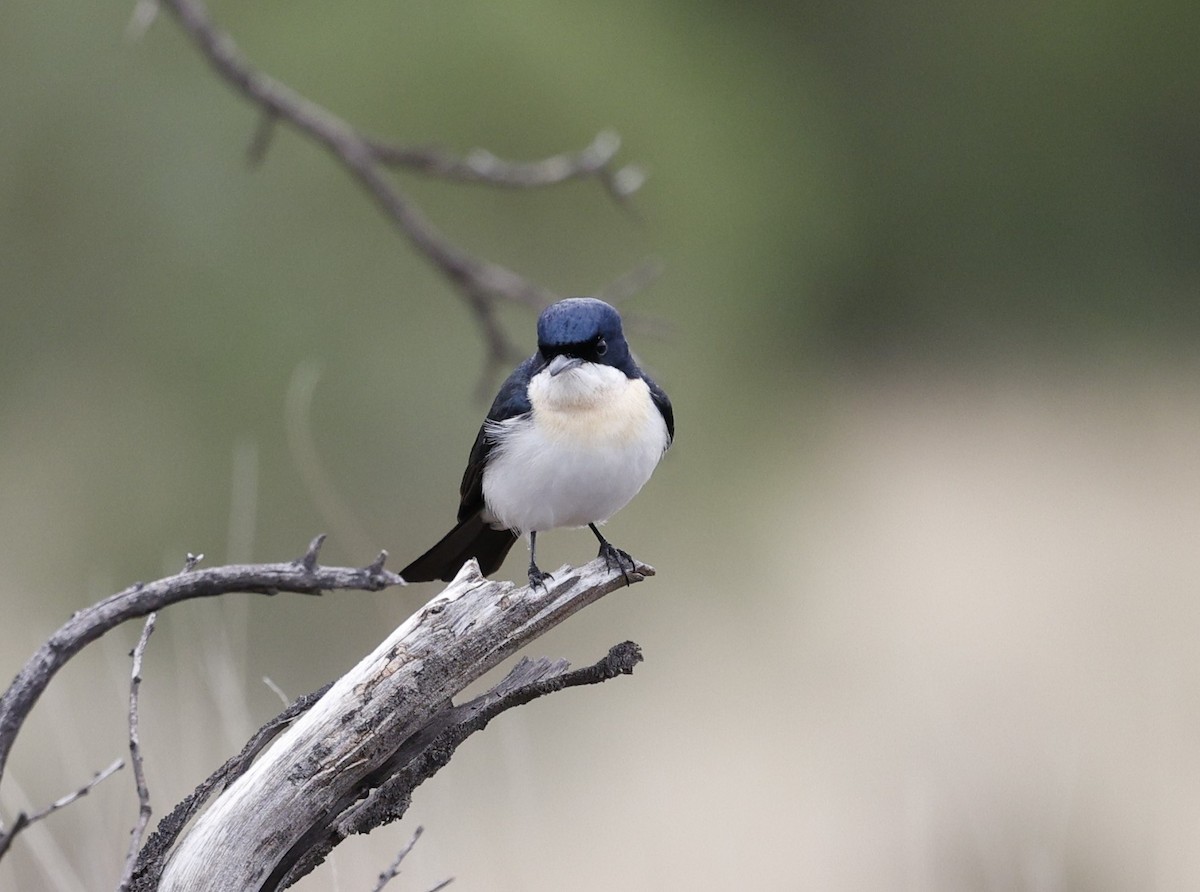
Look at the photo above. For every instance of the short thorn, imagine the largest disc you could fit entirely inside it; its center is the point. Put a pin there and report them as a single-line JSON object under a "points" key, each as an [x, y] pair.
{"points": [[376, 566], [261, 141], [309, 561]]}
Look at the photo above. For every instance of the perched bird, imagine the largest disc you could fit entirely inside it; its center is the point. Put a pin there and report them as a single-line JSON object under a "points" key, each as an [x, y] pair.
{"points": [[573, 434]]}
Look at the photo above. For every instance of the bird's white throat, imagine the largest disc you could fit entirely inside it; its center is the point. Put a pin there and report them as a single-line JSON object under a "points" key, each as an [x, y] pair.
{"points": [[592, 401]]}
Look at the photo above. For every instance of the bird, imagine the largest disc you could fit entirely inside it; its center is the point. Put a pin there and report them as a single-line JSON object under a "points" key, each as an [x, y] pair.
{"points": [[573, 435]]}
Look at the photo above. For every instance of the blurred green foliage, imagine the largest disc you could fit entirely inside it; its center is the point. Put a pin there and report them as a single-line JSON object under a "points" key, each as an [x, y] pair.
{"points": [[1020, 173], [829, 184]]}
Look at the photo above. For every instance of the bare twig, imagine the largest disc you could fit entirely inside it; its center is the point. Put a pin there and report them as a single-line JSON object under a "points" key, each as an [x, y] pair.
{"points": [[24, 820], [394, 868], [135, 753], [631, 282], [143, 16], [480, 166], [336, 514], [276, 689], [141, 599], [480, 282]]}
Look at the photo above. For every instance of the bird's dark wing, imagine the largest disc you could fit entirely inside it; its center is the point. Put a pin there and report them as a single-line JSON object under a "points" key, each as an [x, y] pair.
{"points": [[664, 406], [510, 402], [472, 537]]}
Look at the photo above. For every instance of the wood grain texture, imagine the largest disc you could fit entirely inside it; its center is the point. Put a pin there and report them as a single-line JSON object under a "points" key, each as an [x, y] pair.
{"points": [[349, 762]]}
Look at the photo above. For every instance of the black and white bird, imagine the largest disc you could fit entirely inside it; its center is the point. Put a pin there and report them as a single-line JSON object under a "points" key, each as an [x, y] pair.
{"points": [[573, 435]]}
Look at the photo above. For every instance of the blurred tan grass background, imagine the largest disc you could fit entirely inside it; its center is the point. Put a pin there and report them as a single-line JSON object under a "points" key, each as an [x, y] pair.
{"points": [[927, 605]]}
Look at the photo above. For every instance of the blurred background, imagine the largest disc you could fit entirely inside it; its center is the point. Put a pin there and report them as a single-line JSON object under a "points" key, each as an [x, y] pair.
{"points": [[927, 609]]}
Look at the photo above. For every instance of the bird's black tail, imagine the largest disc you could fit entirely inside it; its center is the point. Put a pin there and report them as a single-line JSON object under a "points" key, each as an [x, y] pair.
{"points": [[470, 539]]}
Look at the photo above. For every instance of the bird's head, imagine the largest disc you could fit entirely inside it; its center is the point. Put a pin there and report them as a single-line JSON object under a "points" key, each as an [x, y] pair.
{"points": [[582, 329]]}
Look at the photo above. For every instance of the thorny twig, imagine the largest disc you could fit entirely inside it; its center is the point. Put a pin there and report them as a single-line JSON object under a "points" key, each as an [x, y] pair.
{"points": [[394, 868], [135, 748]]}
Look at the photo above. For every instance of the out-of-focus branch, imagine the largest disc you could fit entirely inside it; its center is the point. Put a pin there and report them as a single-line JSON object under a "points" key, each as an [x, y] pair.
{"points": [[481, 282], [594, 161], [23, 820], [394, 868], [302, 576]]}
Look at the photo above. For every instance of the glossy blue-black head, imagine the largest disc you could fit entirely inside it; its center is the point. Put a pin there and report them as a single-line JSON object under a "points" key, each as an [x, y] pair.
{"points": [[584, 328]]}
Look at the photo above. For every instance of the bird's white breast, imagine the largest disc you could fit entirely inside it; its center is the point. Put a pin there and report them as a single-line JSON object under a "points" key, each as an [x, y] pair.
{"points": [[592, 440]]}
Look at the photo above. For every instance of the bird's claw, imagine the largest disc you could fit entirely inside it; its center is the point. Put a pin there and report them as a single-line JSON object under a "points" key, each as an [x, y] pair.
{"points": [[537, 578], [615, 557]]}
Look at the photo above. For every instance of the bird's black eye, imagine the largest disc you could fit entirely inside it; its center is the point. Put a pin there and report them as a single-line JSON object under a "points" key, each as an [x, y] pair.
{"points": [[601, 347]]}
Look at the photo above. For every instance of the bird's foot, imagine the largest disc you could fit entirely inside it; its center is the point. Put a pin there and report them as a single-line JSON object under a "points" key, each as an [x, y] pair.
{"points": [[615, 557], [538, 578]]}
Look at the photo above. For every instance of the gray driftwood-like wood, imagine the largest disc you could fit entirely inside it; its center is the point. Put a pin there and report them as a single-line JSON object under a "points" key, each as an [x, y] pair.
{"points": [[349, 761]]}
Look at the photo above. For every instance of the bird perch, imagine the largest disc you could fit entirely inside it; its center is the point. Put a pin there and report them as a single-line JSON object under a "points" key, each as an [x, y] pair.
{"points": [[350, 759]]}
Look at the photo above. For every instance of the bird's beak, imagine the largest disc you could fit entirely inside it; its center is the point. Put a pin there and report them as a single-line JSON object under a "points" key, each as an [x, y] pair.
{"points": [[560, 364]]}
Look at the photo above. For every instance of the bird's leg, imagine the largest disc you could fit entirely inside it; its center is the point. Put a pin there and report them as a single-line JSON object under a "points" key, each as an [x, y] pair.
{"points": [[613, 555], [536, 576]]}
